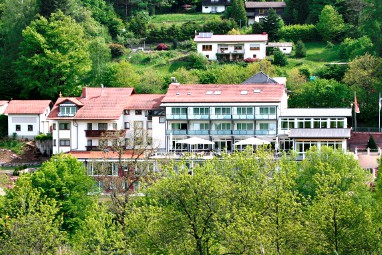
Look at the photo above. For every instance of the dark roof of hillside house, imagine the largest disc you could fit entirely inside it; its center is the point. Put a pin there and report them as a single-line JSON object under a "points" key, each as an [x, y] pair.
{"points": [[216, 2], [265, 4], [259, 78]]}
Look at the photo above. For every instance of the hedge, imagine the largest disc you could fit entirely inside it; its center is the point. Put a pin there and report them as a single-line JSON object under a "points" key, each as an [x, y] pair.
{"points": [[305, 33]]}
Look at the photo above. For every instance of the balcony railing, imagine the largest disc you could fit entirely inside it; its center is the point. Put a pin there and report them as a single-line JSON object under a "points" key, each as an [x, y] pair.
{"points": [[265, 116], [243, 117], [101, 133], [176, 116], [221, 116], [198, 132], [176, 132], [221, 132], [198, 117], [243, 132]]}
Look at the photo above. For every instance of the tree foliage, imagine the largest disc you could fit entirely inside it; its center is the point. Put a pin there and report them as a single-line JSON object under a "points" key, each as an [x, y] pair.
{"points": [[330, 25], [53, 58], [238, 12]]}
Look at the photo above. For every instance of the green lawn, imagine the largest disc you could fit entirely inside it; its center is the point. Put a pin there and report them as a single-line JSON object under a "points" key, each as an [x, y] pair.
{"points": [[169, 19]]}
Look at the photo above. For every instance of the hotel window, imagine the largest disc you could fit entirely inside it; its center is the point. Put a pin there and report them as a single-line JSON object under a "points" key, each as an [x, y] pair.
{"points": [[238, 47], [337, 123], [90, 126], [222, 110], [223, 126], [149, 125], [206, 47], [244, 110], [267, 110], [138, 112], [304, 123], [63, 126], [65, 142], [244, 126], [320, 123], [162, 119], [54, 126], [254, 47], [178, 111], [264, 126], [30, 127], [287, 124], [138, 124], [201, 111], [178, 126], [67, 110], [127, 125], [201, 126], [126, 112], [102, 126], [18, 127]]}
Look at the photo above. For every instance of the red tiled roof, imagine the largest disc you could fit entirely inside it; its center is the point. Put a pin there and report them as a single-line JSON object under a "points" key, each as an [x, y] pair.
{"points": [[27, 106], [100, 155], [233, 38], [3, 102], [209, 93], [144, 101], [96, 103]]}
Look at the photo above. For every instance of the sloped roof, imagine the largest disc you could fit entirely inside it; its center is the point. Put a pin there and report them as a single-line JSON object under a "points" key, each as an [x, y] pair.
{"points": [[3, 102], [233, 38], [265, 4], [128, 154], [218, 2], [259, 78], [96, 103], [280, 44], [316, 112], [320, 133], [27, 106], [144, 101], [227, 93]]}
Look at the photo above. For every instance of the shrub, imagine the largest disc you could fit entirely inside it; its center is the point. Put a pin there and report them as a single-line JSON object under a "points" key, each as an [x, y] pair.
{"points": [[371, 143], [187, 45], [300, 49], [279, 58], [43, 137], [162, 46], [294, 33], [117, 50], [304, 71], [352, 48], [198, 61]]}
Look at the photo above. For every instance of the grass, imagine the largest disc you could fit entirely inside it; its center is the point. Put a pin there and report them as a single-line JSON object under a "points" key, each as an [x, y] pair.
{"points": [[179, 18], [12, 144]]}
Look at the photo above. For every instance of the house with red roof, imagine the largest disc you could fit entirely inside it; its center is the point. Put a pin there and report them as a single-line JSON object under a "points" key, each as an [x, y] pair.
{"points": [[82, 124], [231, 47], [222, 113], [28, 118]]}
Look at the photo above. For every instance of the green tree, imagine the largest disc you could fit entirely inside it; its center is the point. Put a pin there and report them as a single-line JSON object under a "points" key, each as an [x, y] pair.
{"points": [[139, 23], [364, 76], [331, 26], [272, 24], [300, 49], [64, 180], [231, 74], [29, 222], [53, 58], [99, 233], [120, 74], [339, 213], [238, 12], [100, 56], [352, 48], [371, 143], [326, 93], [279, 58], [370, 22]]}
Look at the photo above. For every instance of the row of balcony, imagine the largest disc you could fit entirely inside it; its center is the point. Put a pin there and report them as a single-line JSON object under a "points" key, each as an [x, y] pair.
{"points": [[220, 117], [101, 133], [220, 132]]}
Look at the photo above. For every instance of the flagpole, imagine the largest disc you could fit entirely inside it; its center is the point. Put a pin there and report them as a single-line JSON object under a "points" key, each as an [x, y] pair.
{"points": [[355, 111], [379, 112]]}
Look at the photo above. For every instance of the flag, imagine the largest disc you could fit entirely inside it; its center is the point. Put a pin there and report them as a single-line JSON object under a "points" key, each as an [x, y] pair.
{"points": [[356, 107]]}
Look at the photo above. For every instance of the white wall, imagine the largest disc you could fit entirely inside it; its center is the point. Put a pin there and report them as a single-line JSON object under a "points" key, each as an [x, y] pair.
{"points": [[159, 133], [259, 53], [3, 107], [23, 121], [211, 54], [208, 9]]}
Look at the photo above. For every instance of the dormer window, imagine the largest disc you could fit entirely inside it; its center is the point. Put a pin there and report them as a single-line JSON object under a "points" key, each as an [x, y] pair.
{"points": [[67, 110]]}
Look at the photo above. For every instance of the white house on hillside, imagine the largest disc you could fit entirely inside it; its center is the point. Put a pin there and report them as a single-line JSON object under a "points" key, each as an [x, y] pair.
{"points": [[28, 118], [231, 47], [215, 6]]}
